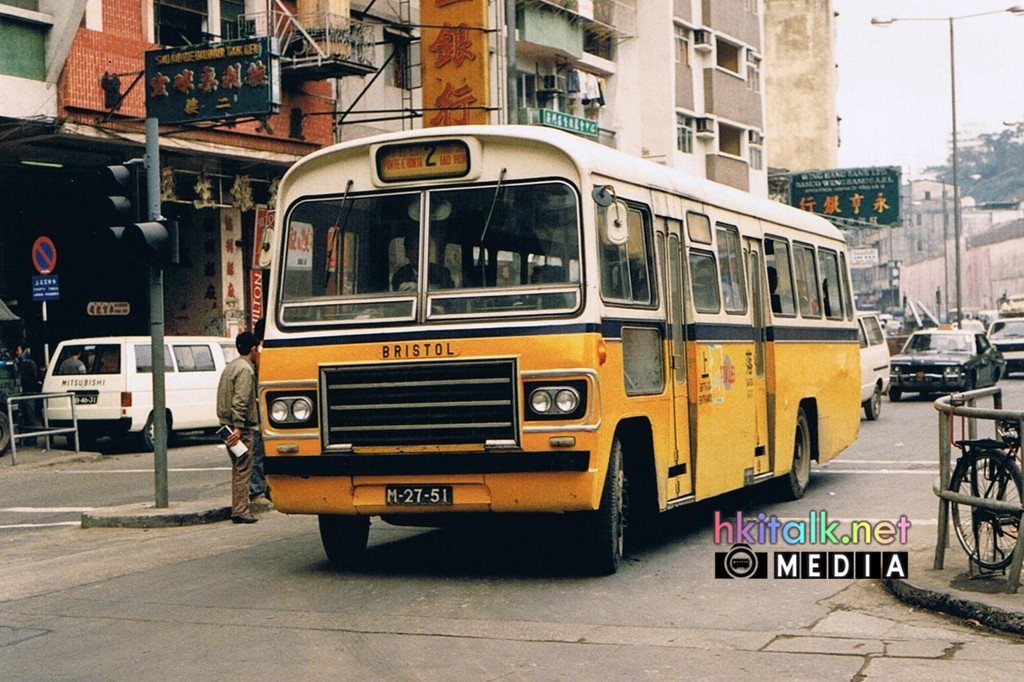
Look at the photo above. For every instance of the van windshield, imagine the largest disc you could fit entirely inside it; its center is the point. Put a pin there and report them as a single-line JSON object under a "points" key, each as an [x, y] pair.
{"points": [[90, 359]]}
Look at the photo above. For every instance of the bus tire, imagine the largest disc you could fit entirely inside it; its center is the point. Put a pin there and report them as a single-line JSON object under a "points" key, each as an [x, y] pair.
{"points": [[344, 538], [602, 531], [793, 485]]}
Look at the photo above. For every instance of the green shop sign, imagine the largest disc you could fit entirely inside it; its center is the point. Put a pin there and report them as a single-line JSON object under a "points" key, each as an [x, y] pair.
{"points": [[849, 195], [572, 124], [212, 82]]}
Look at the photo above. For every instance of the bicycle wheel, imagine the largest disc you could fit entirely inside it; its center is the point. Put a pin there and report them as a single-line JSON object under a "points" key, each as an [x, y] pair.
{"points": [[987, 536]]}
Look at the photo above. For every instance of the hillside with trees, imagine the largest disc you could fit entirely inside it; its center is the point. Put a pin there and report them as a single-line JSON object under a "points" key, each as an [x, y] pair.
{"points": [[993, 169]]}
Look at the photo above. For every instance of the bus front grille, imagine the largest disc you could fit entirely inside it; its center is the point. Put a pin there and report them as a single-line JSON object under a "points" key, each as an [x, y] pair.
{"points": [[419, 403]]}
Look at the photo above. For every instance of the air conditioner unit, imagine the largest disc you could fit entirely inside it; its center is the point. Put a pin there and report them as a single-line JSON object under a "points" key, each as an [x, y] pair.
{"points": [[551, 84], [755, 137], [705, 128], [702, 40]]}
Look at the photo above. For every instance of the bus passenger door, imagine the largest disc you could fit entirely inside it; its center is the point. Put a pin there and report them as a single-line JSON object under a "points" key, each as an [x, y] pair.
{"points": [[758, 389], [680, 470]]}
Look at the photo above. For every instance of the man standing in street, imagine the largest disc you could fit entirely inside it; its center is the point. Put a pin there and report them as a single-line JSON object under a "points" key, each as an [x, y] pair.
{"points": [[236, 408]]}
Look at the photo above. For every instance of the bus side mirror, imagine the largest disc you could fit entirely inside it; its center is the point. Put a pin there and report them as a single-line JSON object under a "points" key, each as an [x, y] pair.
{"points": [[616, 223]]}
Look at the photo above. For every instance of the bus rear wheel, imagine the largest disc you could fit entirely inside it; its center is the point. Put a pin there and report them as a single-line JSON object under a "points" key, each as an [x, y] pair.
{"points": [[602, 531], [793, 485], [344, 538]]}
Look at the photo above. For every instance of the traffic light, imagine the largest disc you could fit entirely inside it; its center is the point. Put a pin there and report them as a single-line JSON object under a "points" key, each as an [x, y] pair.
{"points": [[126, 219]]}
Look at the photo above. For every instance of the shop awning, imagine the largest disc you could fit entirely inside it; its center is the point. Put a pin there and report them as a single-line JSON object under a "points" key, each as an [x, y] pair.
{"points": [[6, 315]]}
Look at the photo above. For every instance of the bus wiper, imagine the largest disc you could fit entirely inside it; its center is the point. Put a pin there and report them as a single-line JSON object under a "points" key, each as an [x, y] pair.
{"points": [[336, 240], [487, 223]]}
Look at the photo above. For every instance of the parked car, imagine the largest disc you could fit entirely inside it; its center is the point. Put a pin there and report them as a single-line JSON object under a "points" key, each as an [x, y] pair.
{"points": [[1008, 336], [944, 361], [112, 384], [874, 364]]}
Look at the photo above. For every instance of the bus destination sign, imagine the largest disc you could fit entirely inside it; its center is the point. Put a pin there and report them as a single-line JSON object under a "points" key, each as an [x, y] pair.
{"points": [[444, 159]]}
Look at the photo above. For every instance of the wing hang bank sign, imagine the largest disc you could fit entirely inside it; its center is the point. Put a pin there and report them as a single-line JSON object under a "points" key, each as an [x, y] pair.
{"points": [[456, 74], [212, 82]]}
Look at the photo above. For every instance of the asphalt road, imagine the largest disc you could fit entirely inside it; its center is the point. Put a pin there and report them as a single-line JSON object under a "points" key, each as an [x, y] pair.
{"points": [[225, 601]]}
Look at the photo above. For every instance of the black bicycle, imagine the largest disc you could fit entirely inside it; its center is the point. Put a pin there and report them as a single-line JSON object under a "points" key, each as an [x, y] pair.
{"points": [[988, 469]]}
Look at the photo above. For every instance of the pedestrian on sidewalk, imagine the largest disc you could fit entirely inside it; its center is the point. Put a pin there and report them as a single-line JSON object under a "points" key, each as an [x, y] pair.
{"points": [[236, 409]]}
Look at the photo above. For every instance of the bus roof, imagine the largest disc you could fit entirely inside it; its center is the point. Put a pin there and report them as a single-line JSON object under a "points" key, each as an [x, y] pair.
{"points": [[604, 160]]}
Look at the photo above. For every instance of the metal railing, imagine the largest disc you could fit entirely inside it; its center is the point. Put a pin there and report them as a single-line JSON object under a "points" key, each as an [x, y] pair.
{"points": [[46, 430], [965, 405]]}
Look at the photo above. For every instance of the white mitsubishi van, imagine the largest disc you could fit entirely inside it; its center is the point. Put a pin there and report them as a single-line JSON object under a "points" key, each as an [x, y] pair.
{"points": [[112, 380]]}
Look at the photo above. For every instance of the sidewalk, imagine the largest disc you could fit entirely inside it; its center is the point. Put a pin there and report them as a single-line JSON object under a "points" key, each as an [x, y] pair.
{"points": [[952, 590], [138, 515]]}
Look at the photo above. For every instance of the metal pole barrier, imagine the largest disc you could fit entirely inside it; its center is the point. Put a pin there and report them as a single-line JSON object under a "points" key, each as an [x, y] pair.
{"points": [[944, 453]]}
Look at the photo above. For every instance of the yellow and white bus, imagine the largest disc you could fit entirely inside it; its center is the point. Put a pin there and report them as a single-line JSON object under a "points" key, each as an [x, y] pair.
{"points": [[514, 319]]}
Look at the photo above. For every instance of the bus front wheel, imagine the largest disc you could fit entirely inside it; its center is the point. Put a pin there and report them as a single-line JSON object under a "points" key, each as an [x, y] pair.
{"points": [[793, 485], [344, 538], [602, 532]]}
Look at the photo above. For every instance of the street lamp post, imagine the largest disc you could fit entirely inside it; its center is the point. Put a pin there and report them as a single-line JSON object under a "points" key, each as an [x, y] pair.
{"points": [[1016, 10]]}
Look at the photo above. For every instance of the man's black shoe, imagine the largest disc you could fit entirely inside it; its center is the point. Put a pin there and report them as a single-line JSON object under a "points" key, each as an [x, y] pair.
{"points": [[244, 518]]}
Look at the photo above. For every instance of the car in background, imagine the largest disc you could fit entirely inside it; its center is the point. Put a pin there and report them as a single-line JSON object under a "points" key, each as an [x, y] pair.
{"points": [[944, 361], [874, 364], [971, 325], [1008, 336]]}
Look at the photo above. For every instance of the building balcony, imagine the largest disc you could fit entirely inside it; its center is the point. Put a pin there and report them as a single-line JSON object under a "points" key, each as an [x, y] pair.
{"points": [[316, 45], [728, 170], [604, 17], [726, 95]]}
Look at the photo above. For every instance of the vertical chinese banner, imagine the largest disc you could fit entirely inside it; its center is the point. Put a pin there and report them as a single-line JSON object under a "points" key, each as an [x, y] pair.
{"points": [[232, 281], [456, 73]]}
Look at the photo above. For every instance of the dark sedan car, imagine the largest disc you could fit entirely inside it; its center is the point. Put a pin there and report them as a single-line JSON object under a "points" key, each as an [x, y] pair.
{"points": [[944, 361]]}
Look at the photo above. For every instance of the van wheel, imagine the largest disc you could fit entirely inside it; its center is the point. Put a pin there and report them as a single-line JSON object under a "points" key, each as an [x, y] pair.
{"points": [[5, 434], [148, 433], [873, 405]]}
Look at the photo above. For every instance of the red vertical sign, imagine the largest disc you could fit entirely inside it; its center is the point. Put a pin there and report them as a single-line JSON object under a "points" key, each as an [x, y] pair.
{"points": [[456, 74], [255, 297]]}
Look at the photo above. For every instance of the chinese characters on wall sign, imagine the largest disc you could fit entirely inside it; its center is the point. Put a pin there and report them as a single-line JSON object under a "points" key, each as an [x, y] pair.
{"points": [[864, 195], [211, 82], [456, 80]]}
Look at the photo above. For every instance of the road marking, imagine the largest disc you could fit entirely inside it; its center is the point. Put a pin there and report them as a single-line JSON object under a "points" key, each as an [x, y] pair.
{"points": [[143, 471], [47, 510], [911, 472], [15, 526], [931, 462]]}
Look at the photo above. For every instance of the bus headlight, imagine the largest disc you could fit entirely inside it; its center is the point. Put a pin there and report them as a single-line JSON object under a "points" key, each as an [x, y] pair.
{"points": [[291, 411], [565, 399]]}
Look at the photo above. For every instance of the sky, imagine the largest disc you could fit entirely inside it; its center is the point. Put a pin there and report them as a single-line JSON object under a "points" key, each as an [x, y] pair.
{"points": [[894, 96]]}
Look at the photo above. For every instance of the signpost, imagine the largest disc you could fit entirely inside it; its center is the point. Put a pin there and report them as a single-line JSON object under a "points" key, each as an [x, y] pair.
{"points": [[44, 286], [572, 124]]}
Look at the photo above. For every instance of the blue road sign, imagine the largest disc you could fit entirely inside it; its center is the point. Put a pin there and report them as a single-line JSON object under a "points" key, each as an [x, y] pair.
{"points": [[45, 288]]}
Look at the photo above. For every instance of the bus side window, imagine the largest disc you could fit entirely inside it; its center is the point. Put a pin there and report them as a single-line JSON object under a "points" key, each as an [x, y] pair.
{"points": [[704, 282], [625, 268], [780, 277], [807, 280], [831, 284], [734, 291]]}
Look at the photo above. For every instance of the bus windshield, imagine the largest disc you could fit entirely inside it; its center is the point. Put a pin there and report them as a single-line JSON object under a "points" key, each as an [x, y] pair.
{"points": [[500, 249]]}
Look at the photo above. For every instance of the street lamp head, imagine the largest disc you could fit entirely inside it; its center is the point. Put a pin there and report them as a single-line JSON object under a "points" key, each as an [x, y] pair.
{"points": [[1016, 10], [884, 21]]}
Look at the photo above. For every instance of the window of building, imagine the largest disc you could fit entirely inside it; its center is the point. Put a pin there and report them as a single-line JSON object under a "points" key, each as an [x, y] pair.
{"points": [[730, 139], [396, 52], [753, 72], [682, 45], [598, 45], [180, 22], [727, 56], [927, 195], [22, 4], [756, 157], [231, 12], [684, 133]]}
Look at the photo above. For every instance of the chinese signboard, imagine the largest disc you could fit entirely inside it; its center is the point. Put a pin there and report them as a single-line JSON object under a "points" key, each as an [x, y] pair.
{"points": [[456, 75], [863, 257], [573, 124], [212, 82], [863, 195]]}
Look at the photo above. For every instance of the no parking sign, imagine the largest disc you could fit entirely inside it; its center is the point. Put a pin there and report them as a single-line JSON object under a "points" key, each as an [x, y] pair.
{"points": [[44, 255]]}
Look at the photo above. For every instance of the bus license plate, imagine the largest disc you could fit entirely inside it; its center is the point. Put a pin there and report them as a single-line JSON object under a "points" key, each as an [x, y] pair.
{"points": [[418, 495]]}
